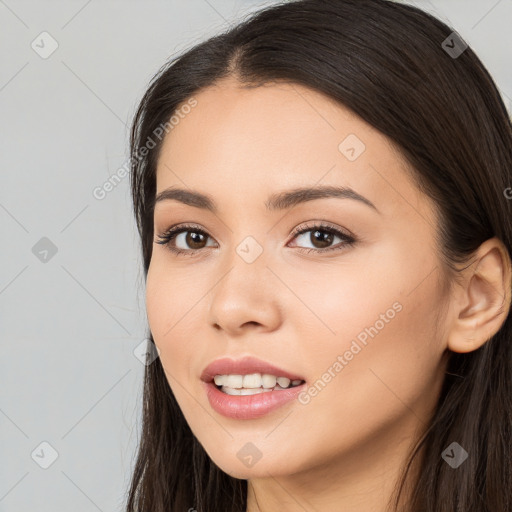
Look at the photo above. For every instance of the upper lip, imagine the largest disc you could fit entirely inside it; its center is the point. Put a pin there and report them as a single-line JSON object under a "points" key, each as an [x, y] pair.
{"points": [[244, 366]]}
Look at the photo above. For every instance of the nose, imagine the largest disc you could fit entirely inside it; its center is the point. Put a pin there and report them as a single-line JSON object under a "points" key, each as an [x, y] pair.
{"points": [[246, 297]]}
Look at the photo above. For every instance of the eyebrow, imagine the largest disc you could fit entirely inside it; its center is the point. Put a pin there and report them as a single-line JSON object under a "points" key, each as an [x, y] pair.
{"points": [[278, 201]]}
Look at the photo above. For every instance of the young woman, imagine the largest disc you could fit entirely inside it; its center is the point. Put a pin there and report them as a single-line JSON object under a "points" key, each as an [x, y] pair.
{"points": [[323, 195]]}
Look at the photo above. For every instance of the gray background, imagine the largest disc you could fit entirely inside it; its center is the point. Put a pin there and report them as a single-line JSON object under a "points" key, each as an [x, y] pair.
{"points": [[71, 320]]}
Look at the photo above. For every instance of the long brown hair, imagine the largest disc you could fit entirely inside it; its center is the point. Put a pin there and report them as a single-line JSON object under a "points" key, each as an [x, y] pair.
{"points": [[391, 64]]}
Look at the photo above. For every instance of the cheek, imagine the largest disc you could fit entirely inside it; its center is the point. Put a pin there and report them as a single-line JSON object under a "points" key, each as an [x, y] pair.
{"points": [[388, 294], [157, 302], [382, 364], [374, 344], [175, 298], [351, 300], [166, 307], [170, 297]]}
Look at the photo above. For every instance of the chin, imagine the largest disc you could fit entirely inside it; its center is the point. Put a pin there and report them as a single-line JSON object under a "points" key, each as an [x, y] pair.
{"points": [[262, 468]]}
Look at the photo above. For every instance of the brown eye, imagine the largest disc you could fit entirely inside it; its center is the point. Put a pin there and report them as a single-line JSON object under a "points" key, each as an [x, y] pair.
{"points": [[184, 239], [321, 237], [189, 240], [195, 240]]}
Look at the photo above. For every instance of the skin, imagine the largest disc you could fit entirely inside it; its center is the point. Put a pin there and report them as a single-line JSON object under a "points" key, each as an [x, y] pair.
{"points": [[344, 449]]}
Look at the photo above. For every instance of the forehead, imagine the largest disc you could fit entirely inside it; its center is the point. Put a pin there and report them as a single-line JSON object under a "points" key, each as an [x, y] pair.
{"points": [[237, 141]]}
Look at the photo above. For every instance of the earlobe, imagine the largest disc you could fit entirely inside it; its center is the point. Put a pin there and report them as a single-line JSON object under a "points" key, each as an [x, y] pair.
{"points": [[484, 298]]}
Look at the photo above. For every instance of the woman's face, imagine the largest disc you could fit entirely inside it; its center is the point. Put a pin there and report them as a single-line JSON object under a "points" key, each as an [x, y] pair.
{"points": [[360, 322]]}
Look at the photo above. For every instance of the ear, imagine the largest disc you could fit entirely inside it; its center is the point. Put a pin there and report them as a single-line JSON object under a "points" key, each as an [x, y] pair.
{"points": [[482, 303]]}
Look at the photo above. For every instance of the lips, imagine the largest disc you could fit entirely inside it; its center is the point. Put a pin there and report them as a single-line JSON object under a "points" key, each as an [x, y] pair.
{"points": [[244, 366]]}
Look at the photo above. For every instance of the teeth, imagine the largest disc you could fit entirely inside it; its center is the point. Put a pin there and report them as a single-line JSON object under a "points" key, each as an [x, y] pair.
{"points": [[248, 391], [268, 381], [233, 381], [283, 382], [254, 381], [243, 391]]}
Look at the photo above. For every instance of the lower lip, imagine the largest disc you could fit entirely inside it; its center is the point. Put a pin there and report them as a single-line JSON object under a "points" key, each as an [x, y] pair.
{"points": [[248, 407]]}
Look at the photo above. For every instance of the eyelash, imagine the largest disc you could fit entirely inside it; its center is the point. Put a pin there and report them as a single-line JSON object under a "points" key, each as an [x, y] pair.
{"points": [[168, 236]]}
